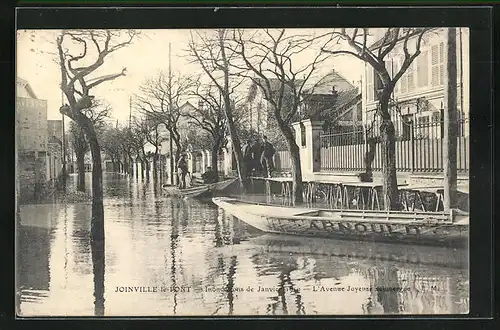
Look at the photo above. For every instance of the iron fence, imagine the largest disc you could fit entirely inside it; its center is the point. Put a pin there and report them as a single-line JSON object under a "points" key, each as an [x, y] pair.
{"points": [[419, 146], [282, 160]]}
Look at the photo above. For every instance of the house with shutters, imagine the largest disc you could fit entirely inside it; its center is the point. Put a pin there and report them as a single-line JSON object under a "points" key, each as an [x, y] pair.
{"points": [[417, 105], [419, 93]]}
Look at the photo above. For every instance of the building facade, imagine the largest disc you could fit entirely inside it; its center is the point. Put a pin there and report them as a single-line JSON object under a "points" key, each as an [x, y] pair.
{"points": [[419, 93], [31, 141], [416, 107], [54, 149]]}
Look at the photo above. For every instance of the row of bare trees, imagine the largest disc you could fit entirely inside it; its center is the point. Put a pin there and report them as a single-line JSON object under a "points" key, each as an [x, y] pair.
{"points": [[273, 60]]}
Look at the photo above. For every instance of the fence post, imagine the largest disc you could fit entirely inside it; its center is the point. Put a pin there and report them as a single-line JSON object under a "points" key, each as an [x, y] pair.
{"points": [[412, 147]]}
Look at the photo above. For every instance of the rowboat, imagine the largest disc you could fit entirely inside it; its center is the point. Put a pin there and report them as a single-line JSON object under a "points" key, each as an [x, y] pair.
{"points": [[198, 190], [426, 228]]}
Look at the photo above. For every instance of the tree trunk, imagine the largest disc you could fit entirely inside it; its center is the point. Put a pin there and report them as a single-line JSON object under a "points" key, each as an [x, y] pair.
{"points": [[97, 222], [147, 170], [214, 160], [98, 263], [125, 165], [142, 169], [297, 187], [388, 144], [155, 168], [235, 142], [80, 162]]}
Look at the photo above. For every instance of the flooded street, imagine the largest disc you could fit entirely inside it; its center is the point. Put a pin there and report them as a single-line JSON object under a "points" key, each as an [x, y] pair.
{"points": [[167, 256]]}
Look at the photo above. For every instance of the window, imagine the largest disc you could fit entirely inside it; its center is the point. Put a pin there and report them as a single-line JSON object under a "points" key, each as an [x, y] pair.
{"points": [[388, 67], [396, 67], [302, 135], [369, 84], [437, 64], [423, 69], [404, 82], [411, 76]]}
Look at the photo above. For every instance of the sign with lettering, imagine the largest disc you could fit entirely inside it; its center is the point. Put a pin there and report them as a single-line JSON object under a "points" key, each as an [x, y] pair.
{"points": [[362, 228]]}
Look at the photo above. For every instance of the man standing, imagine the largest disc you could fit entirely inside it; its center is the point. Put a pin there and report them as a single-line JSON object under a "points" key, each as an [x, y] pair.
{"points": [[266, 159], [182, 167], [247, 155]]}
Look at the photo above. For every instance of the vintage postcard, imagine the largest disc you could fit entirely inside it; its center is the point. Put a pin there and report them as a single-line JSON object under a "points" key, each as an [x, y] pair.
{"points": [[242, 172]]}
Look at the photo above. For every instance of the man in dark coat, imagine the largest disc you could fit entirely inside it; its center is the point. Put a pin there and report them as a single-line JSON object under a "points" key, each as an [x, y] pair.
{"points": [[248, 155], [266, 158], [182, 167]]}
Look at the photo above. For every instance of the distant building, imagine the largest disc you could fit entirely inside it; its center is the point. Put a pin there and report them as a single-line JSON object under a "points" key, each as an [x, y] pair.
{"points": [[335, 101], [31, 141], [54, 149]]}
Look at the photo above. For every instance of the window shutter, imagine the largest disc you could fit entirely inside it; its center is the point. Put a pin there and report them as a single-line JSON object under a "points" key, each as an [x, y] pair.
{"points": [[423, 69], [404, 82], [441, 63], [435, 65], [411, 77], [388, 67], [369, 83], [397, 66]]}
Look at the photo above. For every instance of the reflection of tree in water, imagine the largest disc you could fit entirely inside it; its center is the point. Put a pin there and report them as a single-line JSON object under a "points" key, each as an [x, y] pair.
{"points": [[430, 294], [418, 294], [80, 237], [283, 266], [224, 234], [388, 279], [186, 213], [174, 243], [98, 262], [219, 222], [230, 283]]}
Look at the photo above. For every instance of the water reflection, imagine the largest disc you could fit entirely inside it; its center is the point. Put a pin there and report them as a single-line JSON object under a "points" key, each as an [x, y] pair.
{"points": [[166, 256]]}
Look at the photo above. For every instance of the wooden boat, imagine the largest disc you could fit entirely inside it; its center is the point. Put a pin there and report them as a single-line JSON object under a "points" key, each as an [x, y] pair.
{"points": [[198, 190], [427, 228]]}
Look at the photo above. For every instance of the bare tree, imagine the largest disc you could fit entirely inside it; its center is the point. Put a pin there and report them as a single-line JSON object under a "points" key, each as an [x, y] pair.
{"points": [[209, 116], [355, 42], [267, 58], [161, 99], [137, 139], [77, 64], [153, 137], [97, 113], [212, 53]]}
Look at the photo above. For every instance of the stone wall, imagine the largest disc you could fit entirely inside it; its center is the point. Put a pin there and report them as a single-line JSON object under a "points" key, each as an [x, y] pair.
{"points": [[32, 176]]}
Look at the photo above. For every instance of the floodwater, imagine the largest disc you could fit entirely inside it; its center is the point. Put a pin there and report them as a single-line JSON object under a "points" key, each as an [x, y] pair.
{"points": [[180, 257]]}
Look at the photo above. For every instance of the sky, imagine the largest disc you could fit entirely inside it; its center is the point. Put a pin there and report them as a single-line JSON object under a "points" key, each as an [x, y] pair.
{"points": [[36, 51]]}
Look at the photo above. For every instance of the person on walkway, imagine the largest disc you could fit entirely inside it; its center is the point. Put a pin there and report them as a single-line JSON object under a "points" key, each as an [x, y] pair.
{"points": [[183, 170], [266, 158], [248, 156], [210, 176]]}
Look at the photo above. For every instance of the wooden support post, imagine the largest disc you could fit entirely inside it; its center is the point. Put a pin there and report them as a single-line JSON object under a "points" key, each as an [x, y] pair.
{"points": [[450, 123]]}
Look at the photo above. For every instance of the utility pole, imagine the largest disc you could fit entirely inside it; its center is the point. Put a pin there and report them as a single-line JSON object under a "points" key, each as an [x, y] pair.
{"points": [[130, 112], [170, 110], [450, 123], [63, 147]]}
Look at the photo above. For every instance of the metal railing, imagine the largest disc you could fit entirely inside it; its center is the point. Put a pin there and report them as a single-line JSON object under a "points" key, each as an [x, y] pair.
{"points": [[419, 147]]}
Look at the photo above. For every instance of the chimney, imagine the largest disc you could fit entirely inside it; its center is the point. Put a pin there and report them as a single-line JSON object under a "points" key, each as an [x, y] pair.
{"points": [[200, 104], [334, 91]]}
